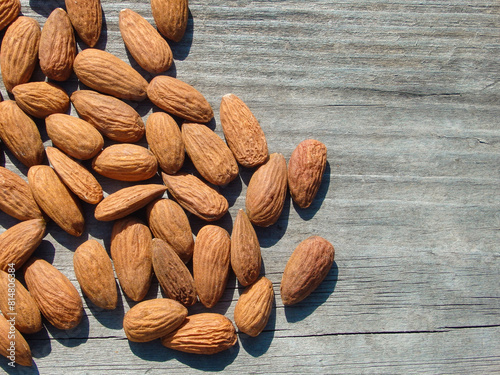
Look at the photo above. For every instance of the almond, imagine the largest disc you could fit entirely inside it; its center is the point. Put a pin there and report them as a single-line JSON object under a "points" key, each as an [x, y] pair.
{"points": [[18, 352], [56, 200], [40, 99], [144, 43], [242, 131], [196, 196], [253, 308], [211, 258], [266, 191], [74, 136], [165, 141], [131, 243], [126, 162], [16, 198], [94, 272], [20, 134], [57, 46], [172, 274], [20, 241], [112, 117], [305, 171], [86, 17], [126, 201], [306, 269], [209, 154], [9, 10], [168, 221], [245, 250], [150, 320], [179, 99], [19, 51], [27, 315], [106, 73], [171, 17], [75, 176], [204, 333]]}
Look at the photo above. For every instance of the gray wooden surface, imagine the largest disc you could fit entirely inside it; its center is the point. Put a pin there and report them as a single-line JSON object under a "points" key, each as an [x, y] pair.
{"points": [[406, 96]]}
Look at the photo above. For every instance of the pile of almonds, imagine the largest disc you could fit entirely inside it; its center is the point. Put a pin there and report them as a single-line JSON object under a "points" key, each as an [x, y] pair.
{"points": [[164, 245]]}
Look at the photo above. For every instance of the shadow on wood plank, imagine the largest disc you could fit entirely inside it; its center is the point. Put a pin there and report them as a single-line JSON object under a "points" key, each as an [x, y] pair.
{"points": [[71, 337]]}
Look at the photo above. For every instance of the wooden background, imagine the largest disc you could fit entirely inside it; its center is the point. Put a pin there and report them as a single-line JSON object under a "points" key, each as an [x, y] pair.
{"points": [[406, 97]]}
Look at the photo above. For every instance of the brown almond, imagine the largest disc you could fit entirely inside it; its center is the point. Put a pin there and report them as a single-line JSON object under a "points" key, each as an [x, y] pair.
{"points": [[86, 17], [196, 196], [209, 154], [20, 134], [16, 349], [126, 201], [74, 136], [211, 263], [41, 99], [174, 277], [19, 51], [306, 268], [179, 99], [20, 241], [16, 198], [171, 17], [56, 200], [9, 10], [266, 191], [27, 315], [126, 162], [144, 43], [94, 272], [165, 141], [253, 309], [111, 116], [242, 131], [57, 46], [245, 250], [106, 73], [204, 333], [131, 243]]}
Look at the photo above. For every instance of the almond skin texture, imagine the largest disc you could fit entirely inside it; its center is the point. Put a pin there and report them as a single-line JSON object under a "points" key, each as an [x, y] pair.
{"points": [[131, 243], [245, 250], [253, 308], [168, 221], [205, 333], [9, 10], [144, 43], [165, 141], [19, 51], [74, 136], [305, 171], [106, 73], [171, 17], [94, 272], [86, 17], [172, 274], [28, 317], [126, 162], [16, 198], [55, 295], [196, 196], [21, 352], [209, 154], [57, 46], [112, 117], [211, 263], [266, 192], [20, 241], [41, 99], [127, 200], [75, 176], [179, 99], [242, 131], [56, 200], [20, 134], [150, 320], [306, 269]]}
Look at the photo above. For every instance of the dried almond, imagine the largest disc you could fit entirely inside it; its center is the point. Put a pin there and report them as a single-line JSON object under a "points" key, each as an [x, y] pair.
{"points": [[171, 17], [40, 99], [86, 17], [9, 10], [13, 345]]}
